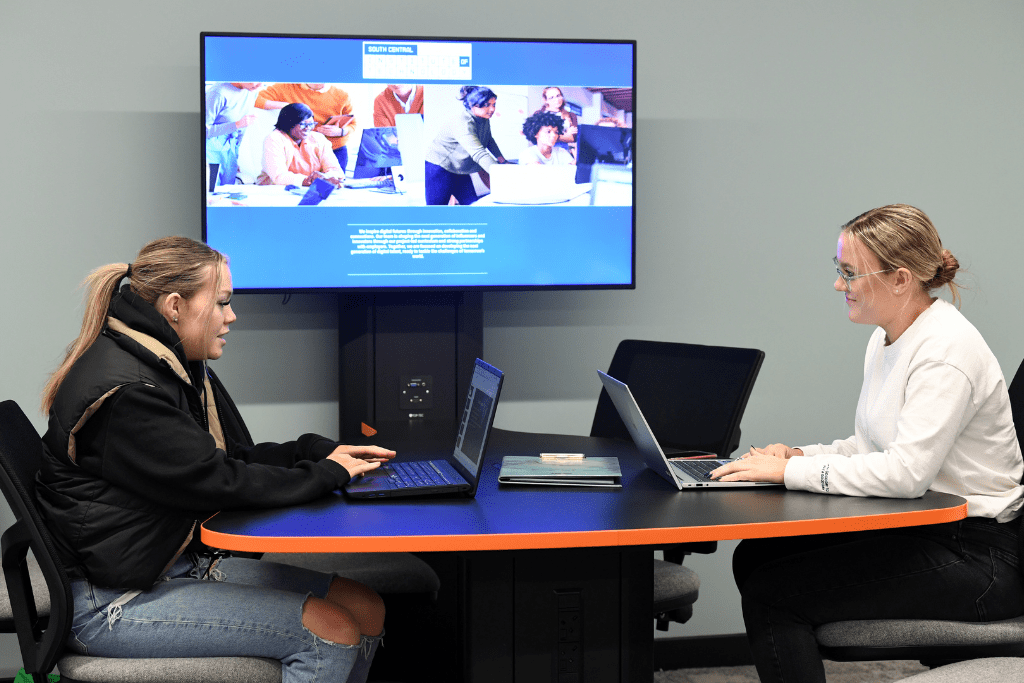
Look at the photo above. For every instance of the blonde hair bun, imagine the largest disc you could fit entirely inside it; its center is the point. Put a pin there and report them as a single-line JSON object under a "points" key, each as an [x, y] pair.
{"points": [[902, 236]]}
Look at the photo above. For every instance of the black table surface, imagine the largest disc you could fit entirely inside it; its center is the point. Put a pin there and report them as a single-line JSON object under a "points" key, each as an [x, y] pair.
{"points": [[647, 510]]}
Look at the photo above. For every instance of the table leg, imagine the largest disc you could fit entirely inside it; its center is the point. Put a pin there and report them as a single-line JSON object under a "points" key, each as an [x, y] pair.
{"points": [[580, 615]]}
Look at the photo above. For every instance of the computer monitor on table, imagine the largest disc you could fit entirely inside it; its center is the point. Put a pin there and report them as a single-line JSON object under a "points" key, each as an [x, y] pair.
{"points": [[602, 145], [378, 152]]}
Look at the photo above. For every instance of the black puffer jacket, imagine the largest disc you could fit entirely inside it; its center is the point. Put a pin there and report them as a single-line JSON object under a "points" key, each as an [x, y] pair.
{"points": [[130, 467]]}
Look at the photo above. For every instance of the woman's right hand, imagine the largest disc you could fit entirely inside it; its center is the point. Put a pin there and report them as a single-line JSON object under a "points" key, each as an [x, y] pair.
{"points": [[355, 466], [776, 450]]}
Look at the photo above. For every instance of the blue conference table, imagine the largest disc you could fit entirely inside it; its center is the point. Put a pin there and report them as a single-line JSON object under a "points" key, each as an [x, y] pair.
{"points": [[555, 584]]}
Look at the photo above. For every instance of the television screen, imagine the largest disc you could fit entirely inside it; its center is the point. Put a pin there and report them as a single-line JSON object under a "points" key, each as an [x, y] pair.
{"points": [[453, 162]]}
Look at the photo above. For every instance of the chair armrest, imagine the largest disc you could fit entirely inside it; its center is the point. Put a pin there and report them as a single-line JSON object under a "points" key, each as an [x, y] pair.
{"points": [[676, 553], [14, 547]]}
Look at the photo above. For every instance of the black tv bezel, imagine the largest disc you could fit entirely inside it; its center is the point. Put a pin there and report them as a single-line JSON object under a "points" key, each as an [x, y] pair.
{"points": [[399, 288]]}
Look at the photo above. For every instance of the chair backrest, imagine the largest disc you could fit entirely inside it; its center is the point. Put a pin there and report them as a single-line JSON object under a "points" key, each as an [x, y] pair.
{"points": [[1016, 391], [21, 456], [1017, 403], [693, 396]]}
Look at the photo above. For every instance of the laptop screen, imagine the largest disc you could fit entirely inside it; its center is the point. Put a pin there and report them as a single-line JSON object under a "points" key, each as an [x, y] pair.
{"points": [[477, 416]]}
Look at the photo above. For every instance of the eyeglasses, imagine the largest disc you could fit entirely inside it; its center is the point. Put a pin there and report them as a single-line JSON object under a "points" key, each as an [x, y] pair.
{"points": [[850, 278], [308, 124]]}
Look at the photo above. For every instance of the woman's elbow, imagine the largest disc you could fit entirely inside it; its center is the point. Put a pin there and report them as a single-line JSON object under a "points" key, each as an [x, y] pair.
{"points": [[914, 487]]}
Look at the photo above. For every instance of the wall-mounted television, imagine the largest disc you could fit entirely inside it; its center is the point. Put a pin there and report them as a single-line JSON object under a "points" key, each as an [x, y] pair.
{"points": [[439, 184]]}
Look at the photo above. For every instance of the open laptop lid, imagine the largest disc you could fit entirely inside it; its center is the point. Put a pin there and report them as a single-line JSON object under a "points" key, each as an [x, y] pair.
{"points": [[647, 444], [318, 191], [477, 419], [638, 428]]}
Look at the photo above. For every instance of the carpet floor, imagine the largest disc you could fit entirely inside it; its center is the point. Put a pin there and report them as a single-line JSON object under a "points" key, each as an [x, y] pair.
{"points": [[835, 672]]}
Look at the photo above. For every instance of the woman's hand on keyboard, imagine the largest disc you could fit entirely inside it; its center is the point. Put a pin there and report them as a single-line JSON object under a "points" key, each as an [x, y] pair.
{"points": [[355, 466], [760, 467], [360, 459], [367, 453], [776, 450]]}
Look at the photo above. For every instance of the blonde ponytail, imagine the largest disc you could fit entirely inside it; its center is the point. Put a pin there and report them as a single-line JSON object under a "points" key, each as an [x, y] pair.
{"points": [[100, 287], [165, 265]]}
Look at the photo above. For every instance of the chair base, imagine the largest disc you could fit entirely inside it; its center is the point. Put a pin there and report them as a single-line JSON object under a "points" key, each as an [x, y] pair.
{"points": [[930, 656], [79, 669], [927, 640]]}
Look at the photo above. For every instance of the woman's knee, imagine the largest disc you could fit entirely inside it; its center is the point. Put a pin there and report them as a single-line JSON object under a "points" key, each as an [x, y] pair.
{"points": [[331, 622], [361, 601]]}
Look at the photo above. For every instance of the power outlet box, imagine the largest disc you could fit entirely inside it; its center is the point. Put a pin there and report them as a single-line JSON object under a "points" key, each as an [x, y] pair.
{"points": [[415, 392], [570, 636]]}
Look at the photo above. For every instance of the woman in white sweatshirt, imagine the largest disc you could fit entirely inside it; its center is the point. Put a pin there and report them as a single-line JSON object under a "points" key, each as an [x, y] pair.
{"points": [[933, 414]]}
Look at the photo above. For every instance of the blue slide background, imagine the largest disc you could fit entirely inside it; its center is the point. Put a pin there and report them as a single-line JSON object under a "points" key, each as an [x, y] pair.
{"points": [[530, 246], [309, 247]]}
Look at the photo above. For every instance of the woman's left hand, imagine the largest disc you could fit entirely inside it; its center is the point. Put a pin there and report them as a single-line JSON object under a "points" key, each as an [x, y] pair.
{"points": [[758, 467], [367, 453], [329, 131]]}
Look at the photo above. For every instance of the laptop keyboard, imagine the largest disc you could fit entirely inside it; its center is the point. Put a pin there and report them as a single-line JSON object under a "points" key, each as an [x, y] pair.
{"points": [[698, 469], [414, 474]]}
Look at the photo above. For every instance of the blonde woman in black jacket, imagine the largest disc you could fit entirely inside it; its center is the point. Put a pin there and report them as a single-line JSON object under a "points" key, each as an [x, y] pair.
{"points": [[143, 444]]}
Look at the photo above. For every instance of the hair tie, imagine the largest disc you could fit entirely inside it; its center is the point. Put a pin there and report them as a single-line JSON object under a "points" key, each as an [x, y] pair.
{"points": [[128, 274]]}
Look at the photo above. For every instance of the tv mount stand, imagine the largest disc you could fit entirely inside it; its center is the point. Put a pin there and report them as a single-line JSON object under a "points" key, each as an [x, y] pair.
{"points": [[422, 344]]}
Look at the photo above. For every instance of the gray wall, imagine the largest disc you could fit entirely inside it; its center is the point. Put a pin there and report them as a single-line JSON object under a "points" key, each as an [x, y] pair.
{"points": [[762, 127]]}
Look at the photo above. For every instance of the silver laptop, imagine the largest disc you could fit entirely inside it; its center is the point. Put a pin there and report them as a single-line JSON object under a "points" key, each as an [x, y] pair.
{"points": [[684, 474], [431, 477]]}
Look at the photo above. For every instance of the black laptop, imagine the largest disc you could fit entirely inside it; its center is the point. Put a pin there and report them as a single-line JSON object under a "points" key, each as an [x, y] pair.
{"points": [[432, 477]]}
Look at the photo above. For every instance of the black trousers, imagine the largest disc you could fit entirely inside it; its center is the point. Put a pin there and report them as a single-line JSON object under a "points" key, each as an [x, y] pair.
{"points": [[442, 184], [963, 571]]}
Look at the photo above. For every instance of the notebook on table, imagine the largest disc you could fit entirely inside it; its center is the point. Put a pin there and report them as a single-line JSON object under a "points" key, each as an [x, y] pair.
{"points": [[461, 474], [681, 473]]}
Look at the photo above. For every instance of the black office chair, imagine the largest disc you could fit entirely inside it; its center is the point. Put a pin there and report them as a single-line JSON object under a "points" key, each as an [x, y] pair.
{"points": [[933, 642], [41, 612], [693, 397]]}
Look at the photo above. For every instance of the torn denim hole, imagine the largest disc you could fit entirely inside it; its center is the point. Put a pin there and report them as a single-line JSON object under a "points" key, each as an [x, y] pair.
{"points": [[115, 609]]}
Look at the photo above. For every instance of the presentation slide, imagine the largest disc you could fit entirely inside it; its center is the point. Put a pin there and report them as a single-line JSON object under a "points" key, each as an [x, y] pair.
{"points": [[369, 163]]}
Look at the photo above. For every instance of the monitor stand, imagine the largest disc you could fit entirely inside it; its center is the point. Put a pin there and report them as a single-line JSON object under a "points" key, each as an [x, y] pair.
{"points": [[405, 360]]}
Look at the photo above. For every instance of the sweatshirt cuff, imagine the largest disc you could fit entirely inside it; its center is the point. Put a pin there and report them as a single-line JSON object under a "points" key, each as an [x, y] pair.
{"points": [[486, 161], [808, 473], [322, 448], [796, 472], [340, 474]]}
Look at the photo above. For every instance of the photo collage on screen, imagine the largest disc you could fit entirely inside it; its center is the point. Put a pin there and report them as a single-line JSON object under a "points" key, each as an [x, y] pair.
{"points": [[416, 144]]}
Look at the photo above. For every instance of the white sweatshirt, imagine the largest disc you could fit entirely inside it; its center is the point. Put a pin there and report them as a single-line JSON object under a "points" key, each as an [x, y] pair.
{"points": [[933, 415]]}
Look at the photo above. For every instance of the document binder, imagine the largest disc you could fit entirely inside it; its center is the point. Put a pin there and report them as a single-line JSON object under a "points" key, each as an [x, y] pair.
{"points": [[560, 469]]}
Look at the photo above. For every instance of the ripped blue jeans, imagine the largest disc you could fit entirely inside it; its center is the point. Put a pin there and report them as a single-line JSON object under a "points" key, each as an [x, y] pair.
{"points": [[242, 608]]}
